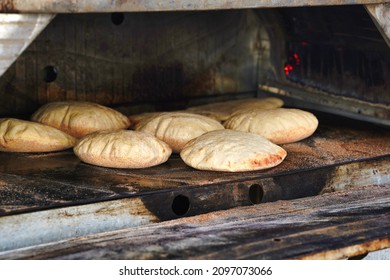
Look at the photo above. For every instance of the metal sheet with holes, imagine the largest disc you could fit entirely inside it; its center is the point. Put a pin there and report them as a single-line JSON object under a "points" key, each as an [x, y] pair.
{"points": [[173, 58], [336, 225]]}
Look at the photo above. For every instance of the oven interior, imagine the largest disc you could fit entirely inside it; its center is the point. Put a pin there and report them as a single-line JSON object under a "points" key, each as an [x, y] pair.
{"points": [[330, 60]]}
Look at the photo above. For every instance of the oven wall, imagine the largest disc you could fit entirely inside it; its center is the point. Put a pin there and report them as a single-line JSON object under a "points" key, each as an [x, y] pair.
{"points": [[163, 59], [324, 58]]}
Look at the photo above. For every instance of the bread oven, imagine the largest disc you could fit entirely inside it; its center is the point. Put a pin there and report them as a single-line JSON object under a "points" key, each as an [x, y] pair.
{"points": [[328, 199]]}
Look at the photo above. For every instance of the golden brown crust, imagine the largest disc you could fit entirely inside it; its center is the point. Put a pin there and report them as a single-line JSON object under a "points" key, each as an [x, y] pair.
{"points": [[232, 151], [26, 136], [138, 120], [221, 111], [280, 126], [122, 149], [177, 128], [80, 118]]}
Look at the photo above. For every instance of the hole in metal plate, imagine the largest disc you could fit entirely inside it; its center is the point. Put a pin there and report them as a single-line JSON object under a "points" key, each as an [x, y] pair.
{"points": [[180, 205], [50, 73], [117, 18], [256, 193]]}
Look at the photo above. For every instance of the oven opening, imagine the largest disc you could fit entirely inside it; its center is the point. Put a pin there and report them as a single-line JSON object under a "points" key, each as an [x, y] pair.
{"points": [[332, 61]]}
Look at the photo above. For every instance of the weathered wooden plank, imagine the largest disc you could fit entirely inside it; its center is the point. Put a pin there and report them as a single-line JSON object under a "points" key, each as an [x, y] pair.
{"points": [[329, 226]]}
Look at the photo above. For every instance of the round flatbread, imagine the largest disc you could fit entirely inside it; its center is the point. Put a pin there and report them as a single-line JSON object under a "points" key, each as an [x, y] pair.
{"points": [[221, 111], [280, 125], [138, 120], [30, 137], [233, 151], [122, 149], [258, 103], [80, 118], [177, 128]]}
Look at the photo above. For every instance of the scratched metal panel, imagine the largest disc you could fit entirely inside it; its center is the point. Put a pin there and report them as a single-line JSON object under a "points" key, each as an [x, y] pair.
{"points": [[143, 57], [87, 6], [336, 225], [171, 60]]}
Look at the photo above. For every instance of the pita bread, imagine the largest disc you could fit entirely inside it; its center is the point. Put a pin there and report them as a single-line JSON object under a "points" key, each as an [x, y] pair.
{"points": [[122, 149], [256, 103], [280, 125], [30, 137], [221, 111], [177, 128], [80, 118], [138, 120], [233, 151]]}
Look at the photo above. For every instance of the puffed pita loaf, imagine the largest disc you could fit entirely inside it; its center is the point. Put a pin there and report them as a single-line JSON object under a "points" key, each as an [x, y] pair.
{"points": [[221, 111], [258, 103], [280, 126], [122, 149], [137, 120], [232, 151], [30, 137], [80, 118], [177, 128]]}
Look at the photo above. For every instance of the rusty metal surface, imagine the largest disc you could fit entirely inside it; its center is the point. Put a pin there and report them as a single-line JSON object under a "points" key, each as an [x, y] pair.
{"points": [[88, 6], [157, 58], [168, 61], [313, 98], [17, 31], [38, 191], [56, 224], [31, 182], [331, 226]]}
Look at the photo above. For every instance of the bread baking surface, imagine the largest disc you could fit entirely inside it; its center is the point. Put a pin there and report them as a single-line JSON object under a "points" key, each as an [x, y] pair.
{"points": [[80, 118], [280, 125], [26, 136], [233, 151], [177, 128], [221, 111], [122, 149]]}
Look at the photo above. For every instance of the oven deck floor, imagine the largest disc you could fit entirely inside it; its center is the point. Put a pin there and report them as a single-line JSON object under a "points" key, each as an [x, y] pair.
{"points": [[30, 182], [52, 197]]}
